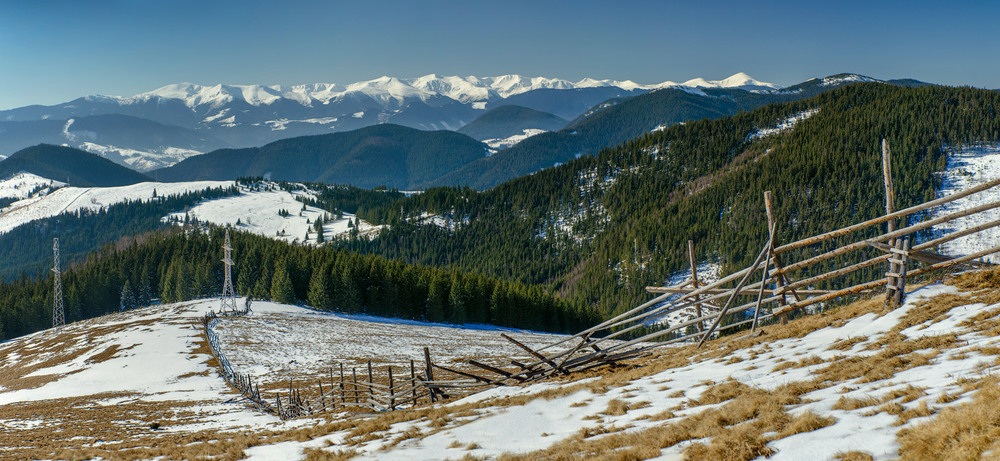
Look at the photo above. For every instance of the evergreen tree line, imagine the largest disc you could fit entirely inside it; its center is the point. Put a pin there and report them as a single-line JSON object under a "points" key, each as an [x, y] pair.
{"points": [[172, 265], [636, 205]]}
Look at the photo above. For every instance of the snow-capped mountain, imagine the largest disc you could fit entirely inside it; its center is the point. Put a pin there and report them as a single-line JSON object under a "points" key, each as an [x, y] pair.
{"points": [[388, 90], [206, 117]]}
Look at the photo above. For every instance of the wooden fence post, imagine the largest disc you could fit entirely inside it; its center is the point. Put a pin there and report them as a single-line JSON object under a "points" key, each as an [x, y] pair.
{"points": [[779, 281], [343, 393], [355, 387], [371, 381], [413, 381], [694, 283], [891, 280], [321, 396], [392, 398], [429, 373]]}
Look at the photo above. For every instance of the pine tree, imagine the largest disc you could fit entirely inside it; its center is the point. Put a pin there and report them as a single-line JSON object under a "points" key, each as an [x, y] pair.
{"points": [[319, 296], [282, 290], [127, 298]]}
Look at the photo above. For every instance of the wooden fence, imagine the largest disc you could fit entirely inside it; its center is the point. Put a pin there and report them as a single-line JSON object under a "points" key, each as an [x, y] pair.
{"points": [[783, 285], [787, 280]]}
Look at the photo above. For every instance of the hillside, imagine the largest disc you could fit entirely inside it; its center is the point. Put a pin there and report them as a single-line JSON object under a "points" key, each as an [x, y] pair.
{"points": [[857, 382], [70, 165], [381, 155], [613, 223], [133, 142], [607, 125], [507, 121]]}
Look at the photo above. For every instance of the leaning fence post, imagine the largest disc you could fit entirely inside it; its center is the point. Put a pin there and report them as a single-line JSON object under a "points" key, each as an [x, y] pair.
{"points": [[694, 283], [779, 280], [429, 373]]}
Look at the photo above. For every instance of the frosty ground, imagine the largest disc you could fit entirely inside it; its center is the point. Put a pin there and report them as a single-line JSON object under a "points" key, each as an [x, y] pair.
{"points": [[857, 381]]}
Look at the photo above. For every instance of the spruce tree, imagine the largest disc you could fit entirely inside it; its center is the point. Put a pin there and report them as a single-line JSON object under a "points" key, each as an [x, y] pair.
{"points": [[319, 296], [127, 298], [281, 285]]}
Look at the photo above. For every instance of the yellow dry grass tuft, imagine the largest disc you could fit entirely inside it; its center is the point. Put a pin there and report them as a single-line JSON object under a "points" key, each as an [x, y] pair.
{"points": [[968, 431]]}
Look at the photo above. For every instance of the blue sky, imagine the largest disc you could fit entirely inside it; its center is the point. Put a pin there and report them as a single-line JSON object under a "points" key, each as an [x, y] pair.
{"points": [[54, 51]]}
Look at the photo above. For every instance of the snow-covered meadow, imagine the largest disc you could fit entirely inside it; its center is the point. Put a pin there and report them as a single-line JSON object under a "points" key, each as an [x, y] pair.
{"points": [[257, 211], [72, 199], [970, 166], [853, 387]]}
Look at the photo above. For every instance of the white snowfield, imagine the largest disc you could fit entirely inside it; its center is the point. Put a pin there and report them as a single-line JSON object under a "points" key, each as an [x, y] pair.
{"points": [[257, 211], [254, 210], [22, 185], [72, 199], [146, 355]]}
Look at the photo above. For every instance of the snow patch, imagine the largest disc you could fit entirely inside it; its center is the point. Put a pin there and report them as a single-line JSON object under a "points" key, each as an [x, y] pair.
{"points": [[785, 125]]}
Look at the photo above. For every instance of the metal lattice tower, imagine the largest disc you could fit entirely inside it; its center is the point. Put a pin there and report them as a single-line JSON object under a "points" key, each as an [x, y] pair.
{"points": [[58, 312], [228, 294]]}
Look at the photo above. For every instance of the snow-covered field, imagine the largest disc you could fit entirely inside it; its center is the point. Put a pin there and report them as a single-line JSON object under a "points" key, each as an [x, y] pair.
{"points": [[22, 185], [279, 341], [856, 379], [969, 166], [71, 199], [257, 211], [853, 386], [112, 378]]}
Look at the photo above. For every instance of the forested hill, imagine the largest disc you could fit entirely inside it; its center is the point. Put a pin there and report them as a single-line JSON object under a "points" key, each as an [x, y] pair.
{"points": [[611, 124], [176, 265], [380, 155], [600, 228], [505, 121], [67, 164]]}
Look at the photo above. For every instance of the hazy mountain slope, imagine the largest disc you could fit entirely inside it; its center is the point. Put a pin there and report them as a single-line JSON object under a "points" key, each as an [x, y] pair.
{"points": [[607, 125], [388, 155], [506, 121], [70, 165], [602, 227]]}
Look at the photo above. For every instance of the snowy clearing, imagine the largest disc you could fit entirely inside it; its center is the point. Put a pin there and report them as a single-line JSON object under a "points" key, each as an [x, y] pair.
{"points": [[970, 166], [510, 141], [785, 125], [257, 211], [72, 199]]}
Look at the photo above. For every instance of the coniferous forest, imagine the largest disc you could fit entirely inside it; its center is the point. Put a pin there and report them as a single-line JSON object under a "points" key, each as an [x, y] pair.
{"points": [[556, 250], [180, 264], [600, 228]]}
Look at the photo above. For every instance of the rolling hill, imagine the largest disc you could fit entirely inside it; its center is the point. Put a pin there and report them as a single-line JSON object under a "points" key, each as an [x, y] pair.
{"points": [[380, 155], [506, 121], [70, 165]]}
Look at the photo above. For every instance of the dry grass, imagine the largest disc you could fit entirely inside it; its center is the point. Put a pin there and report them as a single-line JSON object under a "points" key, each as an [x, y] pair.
{"points": [[737, 429], [853, 455], [967, 431], [808, 361]]}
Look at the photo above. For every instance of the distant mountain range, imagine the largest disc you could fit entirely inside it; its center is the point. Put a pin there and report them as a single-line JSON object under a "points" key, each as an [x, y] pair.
{"points": [[181, 120], [504, 142]]}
